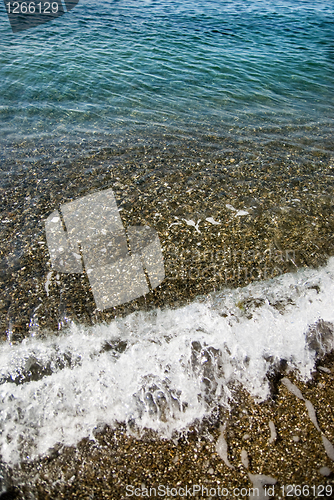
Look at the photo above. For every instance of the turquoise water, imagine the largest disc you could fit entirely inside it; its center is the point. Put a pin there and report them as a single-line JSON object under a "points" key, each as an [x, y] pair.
{"points": [[107, 71], [212, 121]]}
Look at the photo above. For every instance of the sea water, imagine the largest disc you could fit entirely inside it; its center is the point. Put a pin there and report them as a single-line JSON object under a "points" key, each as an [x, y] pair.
{"points": [[108, 71], [119, 78]]}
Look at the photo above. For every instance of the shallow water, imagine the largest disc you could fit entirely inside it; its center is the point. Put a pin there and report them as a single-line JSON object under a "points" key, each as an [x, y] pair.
{"points": [[213, 124]]}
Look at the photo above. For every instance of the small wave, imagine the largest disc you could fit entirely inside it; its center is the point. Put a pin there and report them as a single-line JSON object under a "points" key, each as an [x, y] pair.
{"points": [[163, 369]]}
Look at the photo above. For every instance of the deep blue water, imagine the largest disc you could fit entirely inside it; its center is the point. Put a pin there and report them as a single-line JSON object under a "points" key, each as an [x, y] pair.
{"points": [[114, 69]]}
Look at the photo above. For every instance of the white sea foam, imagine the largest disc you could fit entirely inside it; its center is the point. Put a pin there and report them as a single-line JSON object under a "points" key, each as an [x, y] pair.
{"points": [[161, 369]]}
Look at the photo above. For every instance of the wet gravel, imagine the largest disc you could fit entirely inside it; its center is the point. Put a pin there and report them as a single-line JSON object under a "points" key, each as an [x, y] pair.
{"points": [[271, 212], [281, 219]]}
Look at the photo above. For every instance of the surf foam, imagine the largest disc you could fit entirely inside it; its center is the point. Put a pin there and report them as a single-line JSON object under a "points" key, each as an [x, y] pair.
{"points": [[161, 369]]}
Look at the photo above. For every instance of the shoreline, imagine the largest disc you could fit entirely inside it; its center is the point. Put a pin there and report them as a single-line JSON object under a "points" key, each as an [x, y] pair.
{"points": [[197, 203], [101, 468], [289, 450]]}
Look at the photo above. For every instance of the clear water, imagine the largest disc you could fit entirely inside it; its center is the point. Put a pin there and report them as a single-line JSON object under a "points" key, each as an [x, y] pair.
{"points": [[235, 77], [108, 70]]}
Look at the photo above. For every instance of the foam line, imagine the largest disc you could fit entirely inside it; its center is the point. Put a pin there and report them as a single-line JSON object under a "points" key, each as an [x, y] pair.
{"points": [[162, 369]]}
